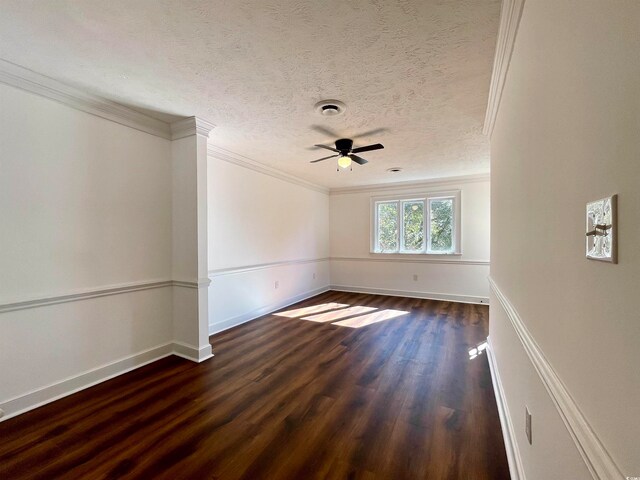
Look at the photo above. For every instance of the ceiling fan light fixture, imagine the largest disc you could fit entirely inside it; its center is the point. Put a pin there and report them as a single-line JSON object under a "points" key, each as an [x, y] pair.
{"points": [[344, 161], [330, 108]]}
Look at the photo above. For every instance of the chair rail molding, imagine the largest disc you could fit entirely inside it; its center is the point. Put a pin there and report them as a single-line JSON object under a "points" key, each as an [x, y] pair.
{"points": [[85, 294], [261, 266], [507, 31], [595, 455], [30, 81]]}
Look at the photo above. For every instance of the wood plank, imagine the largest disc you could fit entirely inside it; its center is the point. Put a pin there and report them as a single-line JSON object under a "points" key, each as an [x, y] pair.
{"points": [[383, 389]]}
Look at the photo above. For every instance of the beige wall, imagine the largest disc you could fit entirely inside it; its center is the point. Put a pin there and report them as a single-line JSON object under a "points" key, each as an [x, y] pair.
{"points": [[262, 230], [85, 205], [566, 133], [445, 277]]}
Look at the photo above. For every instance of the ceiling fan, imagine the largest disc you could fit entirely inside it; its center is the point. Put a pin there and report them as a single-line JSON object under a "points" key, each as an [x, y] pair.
{"points": [[346, 153]]}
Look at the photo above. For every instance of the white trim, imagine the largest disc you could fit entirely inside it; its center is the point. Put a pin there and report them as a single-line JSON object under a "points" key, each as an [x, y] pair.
{"points": [[447, 297], [414, 258], [259, 266], [189, 352], [259, 312], [200, 283], [242, 161], [70, 385], [30, 81], [412, 185], [593, 452], [84, 294], [508, 431], [190, 126], [509, 22], [41, 396]]}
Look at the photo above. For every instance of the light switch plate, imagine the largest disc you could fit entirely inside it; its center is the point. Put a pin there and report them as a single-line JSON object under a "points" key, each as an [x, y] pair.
{"points": [[527, 426], [603, 245]]}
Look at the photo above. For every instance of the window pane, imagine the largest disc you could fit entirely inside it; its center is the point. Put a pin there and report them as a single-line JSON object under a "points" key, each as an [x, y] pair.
{"points": [[441, 225], [388, 227], [413, 217]]}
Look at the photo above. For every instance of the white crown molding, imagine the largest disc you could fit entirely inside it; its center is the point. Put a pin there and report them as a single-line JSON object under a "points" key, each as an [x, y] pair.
{"points": [[516, 468], [509, 22], [191, 126], [84, 294], [413, 185], [412, 260], [595, 455], [260, 266], [30, 81], [236, 159]]}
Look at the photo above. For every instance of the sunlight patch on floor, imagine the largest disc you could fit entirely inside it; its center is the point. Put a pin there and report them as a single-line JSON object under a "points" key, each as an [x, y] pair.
{"points": [[342, 314], [338, 314], [371, 318], [477, 350], [301, 312]]}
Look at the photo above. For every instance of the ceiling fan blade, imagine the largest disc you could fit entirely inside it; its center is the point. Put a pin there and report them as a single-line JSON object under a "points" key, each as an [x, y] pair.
{"points": [[357, 159], [325, 131], [368, 148], [370, 133], [328, 148], [325, 158]]}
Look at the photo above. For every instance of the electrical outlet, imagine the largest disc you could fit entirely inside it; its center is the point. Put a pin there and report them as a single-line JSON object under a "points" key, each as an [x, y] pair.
{"points": [[277, 284], [314, 275], [527, 425], [415, 278]]}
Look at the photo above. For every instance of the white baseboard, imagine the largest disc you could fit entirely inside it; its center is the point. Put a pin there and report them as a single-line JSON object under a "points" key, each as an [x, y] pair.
{"points": [[50, 393], [591, 449], [259, 312], [508, 431], [450, 297], [189, 352], [41, 396]]}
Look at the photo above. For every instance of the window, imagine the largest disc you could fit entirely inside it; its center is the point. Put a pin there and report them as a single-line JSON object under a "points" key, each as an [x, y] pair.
{"points": [[427, 224]]}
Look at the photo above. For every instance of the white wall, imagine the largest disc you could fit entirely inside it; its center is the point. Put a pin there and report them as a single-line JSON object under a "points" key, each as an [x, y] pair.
{"points": [[461, 278], [262, 229], [567, 133], [85, 205]]}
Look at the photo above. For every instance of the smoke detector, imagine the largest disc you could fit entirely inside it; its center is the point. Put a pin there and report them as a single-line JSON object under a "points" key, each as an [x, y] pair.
{"points": [[330, 108]]}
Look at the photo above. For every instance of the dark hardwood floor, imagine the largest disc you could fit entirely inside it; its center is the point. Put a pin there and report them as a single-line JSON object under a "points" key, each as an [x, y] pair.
{"points": [[335, 397]]}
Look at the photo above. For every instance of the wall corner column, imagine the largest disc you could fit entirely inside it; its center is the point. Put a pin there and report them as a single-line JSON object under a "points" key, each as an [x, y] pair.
{"points": [[189, 253]]}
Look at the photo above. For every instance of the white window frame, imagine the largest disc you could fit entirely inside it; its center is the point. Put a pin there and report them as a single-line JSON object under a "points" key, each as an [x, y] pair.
{"points": [[456, 195]]}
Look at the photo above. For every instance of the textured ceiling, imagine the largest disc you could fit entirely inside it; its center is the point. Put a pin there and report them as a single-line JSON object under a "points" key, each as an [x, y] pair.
{"points": [[419, 69]]}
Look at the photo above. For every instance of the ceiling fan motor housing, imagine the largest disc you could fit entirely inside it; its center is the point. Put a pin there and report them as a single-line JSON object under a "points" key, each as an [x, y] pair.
{"points": [[344, 145]]}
